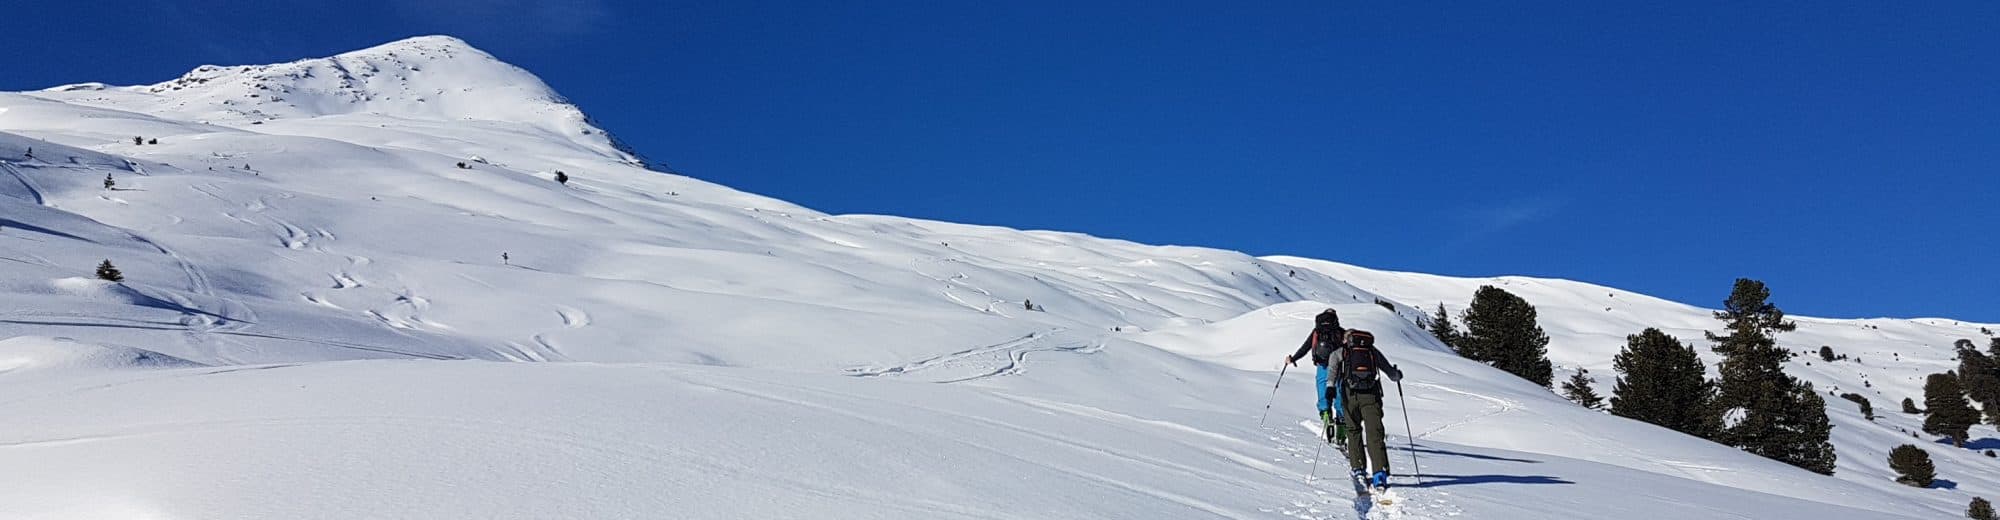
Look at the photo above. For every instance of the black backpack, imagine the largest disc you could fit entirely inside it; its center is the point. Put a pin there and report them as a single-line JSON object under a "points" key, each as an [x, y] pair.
{"points": [[1326, 339], [1358, 362]]}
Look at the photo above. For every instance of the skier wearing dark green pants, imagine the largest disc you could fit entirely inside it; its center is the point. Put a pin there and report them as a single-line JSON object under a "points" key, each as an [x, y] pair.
{"points": [[1356, 370]]}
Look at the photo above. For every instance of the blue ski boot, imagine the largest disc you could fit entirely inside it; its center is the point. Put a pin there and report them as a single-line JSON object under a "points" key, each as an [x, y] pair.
{"points": [[1380, 480]]}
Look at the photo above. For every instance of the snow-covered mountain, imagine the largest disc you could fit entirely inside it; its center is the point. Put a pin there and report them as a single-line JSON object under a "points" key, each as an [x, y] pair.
{"points": [[326, 316]]}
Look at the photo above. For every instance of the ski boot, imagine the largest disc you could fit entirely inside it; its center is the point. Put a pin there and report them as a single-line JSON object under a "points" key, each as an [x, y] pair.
{"points": [[1379, 481]]}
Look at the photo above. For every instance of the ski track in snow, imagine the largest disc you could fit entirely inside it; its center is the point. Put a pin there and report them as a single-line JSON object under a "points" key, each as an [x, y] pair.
{"points": [[33, 190], [1503, 406], [999, 359], [1073, 471], [957, 281], [1333, 495], [572, 317]]}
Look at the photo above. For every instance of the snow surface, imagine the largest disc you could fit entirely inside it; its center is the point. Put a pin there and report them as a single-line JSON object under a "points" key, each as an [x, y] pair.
{"points": [[317, 323]]}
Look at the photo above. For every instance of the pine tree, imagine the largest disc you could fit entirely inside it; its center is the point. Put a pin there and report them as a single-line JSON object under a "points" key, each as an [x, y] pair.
{"points": [[1805, 438], [1826, 353], [562, 178], [1442, 327], [108, 183], [1946, 410], [1500, 330], [1912, 465], [136, 140], [1910, 407], [1980, 376], [1980, 509], [1781, 418], [108, 272], [1663, 382], [1577, 389]]}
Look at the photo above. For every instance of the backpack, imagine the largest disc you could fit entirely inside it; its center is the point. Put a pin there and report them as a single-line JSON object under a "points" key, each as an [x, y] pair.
{"points": [[1358, 362], [1325, 340]]}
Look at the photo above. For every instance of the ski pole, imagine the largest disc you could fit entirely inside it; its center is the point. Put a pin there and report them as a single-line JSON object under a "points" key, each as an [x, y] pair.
{"points": [[1409, 433], [1274, 394], [1340, 411], [1315, 471]]}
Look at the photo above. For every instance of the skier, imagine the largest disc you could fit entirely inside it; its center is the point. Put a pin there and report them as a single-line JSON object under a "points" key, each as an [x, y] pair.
{"points": [[1325, 338], [1357, 384]]}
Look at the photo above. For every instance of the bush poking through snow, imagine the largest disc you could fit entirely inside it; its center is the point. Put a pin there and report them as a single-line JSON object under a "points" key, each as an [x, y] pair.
{"points": [[1980, 509], [562, 178], [1867, 408], [109, 273], [1826, 353], [1910, 407], [1912, 465]]}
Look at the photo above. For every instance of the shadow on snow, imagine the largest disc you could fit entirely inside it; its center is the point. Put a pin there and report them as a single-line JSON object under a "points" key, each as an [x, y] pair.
{"points": [[1421, 449], [1981, 444], [1431, 481]]}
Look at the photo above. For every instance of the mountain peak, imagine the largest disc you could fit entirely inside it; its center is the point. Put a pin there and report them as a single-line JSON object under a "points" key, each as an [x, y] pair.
{"points": [[427, 42], [426, 75], [437, 78]]}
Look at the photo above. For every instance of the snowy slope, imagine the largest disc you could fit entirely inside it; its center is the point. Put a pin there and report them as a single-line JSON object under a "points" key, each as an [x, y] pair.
{"points": [[317, 308], [1888, 359]]}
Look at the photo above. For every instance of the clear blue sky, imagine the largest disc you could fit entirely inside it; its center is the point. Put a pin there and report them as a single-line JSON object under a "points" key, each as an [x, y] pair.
{"points": [[1847, 153]]}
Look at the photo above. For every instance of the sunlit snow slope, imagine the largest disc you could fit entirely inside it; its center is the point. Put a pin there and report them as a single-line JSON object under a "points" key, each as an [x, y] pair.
{"points": [[317, 322]]}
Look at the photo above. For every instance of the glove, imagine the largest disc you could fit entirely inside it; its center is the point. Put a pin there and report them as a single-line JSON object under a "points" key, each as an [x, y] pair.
{"points": [[1290, 361], [1395, 374]]}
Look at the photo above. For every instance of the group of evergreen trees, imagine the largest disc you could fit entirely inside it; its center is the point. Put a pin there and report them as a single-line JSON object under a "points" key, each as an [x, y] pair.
{"points": [[1948, 411], [1913, 467], [1754, 405]]}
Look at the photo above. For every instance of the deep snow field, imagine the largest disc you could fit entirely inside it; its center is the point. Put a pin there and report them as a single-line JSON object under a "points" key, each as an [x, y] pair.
{"points": [[317, 322]]}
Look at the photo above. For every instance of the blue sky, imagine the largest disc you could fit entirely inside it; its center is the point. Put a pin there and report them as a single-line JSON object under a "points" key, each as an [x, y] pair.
{"points": [[1847, 153]]}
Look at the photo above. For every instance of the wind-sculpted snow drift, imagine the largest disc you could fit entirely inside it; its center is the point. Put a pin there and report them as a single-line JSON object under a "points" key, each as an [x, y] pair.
{"points": [[317, 322]]}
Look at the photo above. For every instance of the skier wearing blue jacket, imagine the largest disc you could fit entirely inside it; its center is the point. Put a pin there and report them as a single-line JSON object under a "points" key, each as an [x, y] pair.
{"points": [[1326, 337]]}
